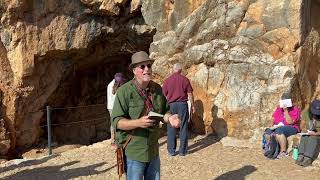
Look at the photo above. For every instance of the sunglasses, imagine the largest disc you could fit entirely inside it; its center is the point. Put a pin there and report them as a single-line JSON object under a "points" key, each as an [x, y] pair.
{"points": [[142, 66]]}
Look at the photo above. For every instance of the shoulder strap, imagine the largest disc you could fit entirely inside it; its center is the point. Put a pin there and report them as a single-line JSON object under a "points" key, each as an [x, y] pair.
{"points": [[127, 141]]}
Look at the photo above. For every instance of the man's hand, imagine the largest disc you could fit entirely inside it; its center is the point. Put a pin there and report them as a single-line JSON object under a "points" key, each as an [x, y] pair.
{"points": [[174, 121], [145, 122]]}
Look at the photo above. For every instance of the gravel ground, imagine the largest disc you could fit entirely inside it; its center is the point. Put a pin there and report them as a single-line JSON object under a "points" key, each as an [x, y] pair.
{"points": [[207, 159]]}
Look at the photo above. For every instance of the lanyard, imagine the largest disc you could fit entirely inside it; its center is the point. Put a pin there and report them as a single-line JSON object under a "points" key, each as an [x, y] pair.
{"points": [[145, 94]]}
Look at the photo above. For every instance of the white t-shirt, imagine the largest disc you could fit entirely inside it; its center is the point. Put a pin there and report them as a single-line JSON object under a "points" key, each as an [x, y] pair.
{"points": [[110, 97]]}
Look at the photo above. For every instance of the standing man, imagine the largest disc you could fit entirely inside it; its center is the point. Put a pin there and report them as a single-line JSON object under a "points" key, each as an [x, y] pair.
{"points": [[111, 94], [178, 90], [134, 100]]}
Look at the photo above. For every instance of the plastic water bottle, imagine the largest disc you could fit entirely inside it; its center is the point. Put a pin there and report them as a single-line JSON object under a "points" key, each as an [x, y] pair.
{"points": [[264, 141], [295, 153]]}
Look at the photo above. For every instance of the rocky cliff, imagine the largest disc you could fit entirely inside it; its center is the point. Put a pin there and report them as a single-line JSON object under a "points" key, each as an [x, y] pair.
{"points": [[240, 56]]}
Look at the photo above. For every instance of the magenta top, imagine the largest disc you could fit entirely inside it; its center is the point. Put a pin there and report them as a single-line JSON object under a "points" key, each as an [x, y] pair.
{"points": [[294, 113], [176, 88]]}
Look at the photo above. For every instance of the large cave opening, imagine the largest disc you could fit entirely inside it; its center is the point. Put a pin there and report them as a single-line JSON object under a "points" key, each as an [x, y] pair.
{"points": [[79, 112]]}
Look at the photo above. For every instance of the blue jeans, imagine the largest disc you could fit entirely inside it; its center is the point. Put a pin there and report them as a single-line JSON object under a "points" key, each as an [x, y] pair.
{"points": [[180, 108], [136, 170], [285, 130]]}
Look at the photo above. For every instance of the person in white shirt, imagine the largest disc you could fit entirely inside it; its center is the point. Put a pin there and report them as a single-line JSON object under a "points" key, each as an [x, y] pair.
{"points": [[111, 94]]}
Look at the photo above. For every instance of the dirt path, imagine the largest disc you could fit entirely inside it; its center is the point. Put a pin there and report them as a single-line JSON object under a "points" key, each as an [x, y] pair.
{"points": [[207, 159]]}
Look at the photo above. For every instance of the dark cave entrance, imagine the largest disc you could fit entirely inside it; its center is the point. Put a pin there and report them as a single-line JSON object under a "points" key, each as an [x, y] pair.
{"points": [[79, 114], [79, 102]]}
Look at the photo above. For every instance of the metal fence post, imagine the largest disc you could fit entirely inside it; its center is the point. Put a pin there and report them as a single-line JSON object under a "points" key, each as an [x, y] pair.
{"points": [[49, 128]]}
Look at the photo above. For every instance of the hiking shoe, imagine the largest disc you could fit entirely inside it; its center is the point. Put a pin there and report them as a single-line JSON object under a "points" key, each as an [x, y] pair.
{"points": [[306, 162], [172, 154], [300, 160], [282, 155], [183, 154]]}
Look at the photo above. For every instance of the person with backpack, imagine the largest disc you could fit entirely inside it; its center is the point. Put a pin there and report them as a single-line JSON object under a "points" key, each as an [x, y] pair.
{"points": [[285, 123], [309, 146]]}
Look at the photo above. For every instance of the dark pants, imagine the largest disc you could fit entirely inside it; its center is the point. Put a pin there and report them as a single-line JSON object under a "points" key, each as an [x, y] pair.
{"points": [[180, 108], [285, 130], [310, 146]]}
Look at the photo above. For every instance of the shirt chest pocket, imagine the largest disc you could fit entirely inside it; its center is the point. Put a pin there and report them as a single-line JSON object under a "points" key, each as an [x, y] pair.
{"points": [[135, 109]]}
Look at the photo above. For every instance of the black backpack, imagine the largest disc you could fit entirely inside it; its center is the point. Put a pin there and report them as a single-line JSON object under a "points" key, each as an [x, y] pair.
{"points": [[272, 148]]}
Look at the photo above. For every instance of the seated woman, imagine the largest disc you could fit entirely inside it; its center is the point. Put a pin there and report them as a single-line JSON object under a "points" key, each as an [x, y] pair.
{"points": [[287, 121], [310, 143]]}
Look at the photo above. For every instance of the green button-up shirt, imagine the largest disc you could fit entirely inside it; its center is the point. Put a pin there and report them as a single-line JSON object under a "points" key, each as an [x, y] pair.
{"points": [[128, 104]]}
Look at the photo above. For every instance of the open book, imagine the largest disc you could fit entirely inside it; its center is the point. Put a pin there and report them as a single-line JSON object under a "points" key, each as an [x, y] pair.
{"points": [[155, 116], [285, 103], [303, 134], [276, 126]]}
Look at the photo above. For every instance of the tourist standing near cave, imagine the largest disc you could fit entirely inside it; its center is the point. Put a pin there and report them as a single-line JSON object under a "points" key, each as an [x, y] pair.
{"points": [[178, 91], [112, 88], [133, 102]]}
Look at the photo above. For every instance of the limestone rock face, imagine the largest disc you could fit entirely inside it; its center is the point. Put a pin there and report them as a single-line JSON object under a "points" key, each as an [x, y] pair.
{"points": [[63, 54], [111, 7], [240, 55]]}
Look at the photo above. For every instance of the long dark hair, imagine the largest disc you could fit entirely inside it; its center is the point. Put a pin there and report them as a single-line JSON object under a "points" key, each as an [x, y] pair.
{"points": [[119, 80], [116, 86]]}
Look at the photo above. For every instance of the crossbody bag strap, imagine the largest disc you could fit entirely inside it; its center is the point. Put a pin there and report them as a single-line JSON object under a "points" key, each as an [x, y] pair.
{"points": [[127, 141]]}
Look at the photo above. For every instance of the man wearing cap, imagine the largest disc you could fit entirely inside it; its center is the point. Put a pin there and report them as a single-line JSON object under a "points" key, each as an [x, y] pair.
{"points": [[111, 94], [134, 100], [309, 146], [178, 90]]}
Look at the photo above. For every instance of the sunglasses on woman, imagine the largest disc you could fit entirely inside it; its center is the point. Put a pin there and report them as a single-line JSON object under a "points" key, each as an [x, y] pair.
{"points": [[142, 66]]}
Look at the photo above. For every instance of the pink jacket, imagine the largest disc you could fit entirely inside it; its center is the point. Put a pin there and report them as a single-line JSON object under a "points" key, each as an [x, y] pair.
{"points": [[294, 113]]}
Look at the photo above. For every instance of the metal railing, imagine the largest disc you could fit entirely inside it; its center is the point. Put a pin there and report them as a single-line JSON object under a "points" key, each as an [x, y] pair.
{"points": [[49, 124]]}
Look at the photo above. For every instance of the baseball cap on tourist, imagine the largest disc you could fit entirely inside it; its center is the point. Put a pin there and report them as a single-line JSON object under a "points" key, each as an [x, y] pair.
{"points": [[315, 107]]}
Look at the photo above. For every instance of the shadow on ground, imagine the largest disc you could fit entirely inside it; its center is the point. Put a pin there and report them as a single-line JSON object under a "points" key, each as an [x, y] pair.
{"points": [[202, 143], [238, 174], [27, 163], [58, 172]]}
